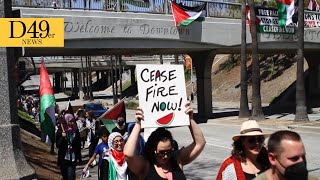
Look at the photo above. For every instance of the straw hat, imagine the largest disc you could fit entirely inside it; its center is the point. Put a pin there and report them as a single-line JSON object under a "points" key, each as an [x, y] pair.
{"points": [[250, 128]]}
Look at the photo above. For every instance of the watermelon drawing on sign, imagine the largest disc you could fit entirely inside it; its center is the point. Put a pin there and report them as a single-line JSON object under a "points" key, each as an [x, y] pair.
{"points": [[166, 120]]}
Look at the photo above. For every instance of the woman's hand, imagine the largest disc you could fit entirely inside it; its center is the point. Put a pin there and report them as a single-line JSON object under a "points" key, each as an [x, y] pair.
{"points": [[139, 115], [85, 168], [64, 134], [189, 110]]}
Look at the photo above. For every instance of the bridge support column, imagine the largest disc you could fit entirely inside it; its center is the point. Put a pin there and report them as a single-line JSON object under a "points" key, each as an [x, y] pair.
{"points": [[132, 75], [57, 82], [14, 164], [80, 84], [75, 83], [109, 78], [203, 64], [313, 88]]}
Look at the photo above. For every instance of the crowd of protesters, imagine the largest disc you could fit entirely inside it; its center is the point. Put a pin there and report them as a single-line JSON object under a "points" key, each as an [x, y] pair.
{"points": [[30, 105], [123, 154]]}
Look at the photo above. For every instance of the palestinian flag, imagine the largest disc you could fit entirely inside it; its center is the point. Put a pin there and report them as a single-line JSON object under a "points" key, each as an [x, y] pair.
{"points": [[248, 18], [285, 11], [313, 5], [109, 117], [185, 15], [47, 104]]}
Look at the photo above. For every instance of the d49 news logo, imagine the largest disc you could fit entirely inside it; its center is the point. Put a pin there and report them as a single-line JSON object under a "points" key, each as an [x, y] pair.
{"points": [[32, 32]]}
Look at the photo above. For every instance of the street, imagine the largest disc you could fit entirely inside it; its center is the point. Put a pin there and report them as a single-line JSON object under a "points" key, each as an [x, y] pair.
{"points": [[218, 136], [218, 133]]}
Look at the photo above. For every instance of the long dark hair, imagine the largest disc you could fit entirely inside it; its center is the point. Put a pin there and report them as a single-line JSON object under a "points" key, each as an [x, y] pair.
{"points": [[160, 134], [239, 153]]}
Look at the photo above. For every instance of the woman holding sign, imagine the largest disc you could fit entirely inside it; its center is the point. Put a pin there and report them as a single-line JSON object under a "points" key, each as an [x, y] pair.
{"points": [[160, 161]]}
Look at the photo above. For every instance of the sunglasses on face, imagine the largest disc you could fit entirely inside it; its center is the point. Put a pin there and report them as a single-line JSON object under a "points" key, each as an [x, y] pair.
{"points": [[253, 140], [162, 154]]}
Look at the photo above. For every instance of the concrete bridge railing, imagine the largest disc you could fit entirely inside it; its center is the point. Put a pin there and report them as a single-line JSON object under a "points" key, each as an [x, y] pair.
{"points": [[213, 9]]}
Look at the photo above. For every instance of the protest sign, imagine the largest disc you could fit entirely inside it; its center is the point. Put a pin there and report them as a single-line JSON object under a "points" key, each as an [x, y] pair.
{"points": [[162, 95]]}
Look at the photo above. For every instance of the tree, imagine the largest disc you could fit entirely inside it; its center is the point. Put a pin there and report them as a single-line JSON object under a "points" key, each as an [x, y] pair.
{"points": [[244, 107], [257, 112], [90, 79], [301, 109]]}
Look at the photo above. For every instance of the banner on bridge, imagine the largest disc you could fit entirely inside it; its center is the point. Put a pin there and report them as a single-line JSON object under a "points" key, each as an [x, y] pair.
{"points": [[267, 21]]}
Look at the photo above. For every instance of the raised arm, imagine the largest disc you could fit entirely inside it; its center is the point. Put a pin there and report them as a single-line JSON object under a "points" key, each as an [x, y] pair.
{"points": [[192, 151], [135, 162]]}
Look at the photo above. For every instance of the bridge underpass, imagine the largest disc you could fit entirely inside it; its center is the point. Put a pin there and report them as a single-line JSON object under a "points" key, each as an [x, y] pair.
{"points": [[101, 66], [126, 33]]}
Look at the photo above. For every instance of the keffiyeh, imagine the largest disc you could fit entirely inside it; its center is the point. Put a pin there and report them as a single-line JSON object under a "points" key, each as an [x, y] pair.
{"points": [[117, 164]]}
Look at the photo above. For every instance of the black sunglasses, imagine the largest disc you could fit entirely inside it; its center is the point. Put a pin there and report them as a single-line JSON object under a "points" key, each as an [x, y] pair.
{"points": [[162, 154], [259, 139]]}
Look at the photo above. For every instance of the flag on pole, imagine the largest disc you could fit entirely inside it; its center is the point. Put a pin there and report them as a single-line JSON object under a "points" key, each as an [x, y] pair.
{"points": [[248, 16], [285, 11], [47, 104], [185, 15], [313, 5], [108, 118], [69, 108]]}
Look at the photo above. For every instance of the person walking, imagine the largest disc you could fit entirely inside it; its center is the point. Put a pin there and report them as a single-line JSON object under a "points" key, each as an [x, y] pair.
{"points": [[121, 126], [287, 156], [160, 161], [81, 123], [93, 128], [67, 138], [117, 163], [248, 156], [102, 150]]}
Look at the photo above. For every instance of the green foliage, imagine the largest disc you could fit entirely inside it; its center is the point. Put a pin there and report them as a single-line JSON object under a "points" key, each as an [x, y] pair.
{"points": [[25, 116], [232, 61], [131, 105], [125, 86], [68, 93], [187, 75], [271, 3]]}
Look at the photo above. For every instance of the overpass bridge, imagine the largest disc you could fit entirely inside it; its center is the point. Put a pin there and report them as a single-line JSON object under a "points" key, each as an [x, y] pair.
{"points": [[98, 63], [149, 31]]}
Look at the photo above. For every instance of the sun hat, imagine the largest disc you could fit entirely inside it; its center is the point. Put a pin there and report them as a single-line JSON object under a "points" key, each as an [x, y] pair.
{"points": [[250, 128], [111, 137]]}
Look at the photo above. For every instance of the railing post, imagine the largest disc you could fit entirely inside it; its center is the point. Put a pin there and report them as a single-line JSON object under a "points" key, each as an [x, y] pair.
{"points": [[153, 6], [207, 9], [118, 6], [166, 7]]}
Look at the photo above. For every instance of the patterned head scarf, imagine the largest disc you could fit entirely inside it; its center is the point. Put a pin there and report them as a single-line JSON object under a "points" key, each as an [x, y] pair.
{"points": [[68, 117], [111, 138]]}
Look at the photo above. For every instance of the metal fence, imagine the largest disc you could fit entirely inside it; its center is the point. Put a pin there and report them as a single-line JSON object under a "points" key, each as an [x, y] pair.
{"points": [[213, 9]]}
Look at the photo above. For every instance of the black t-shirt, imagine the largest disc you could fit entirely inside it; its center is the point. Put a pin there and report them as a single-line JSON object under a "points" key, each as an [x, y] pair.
{"points": [[177, 173], [121, 131]]}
